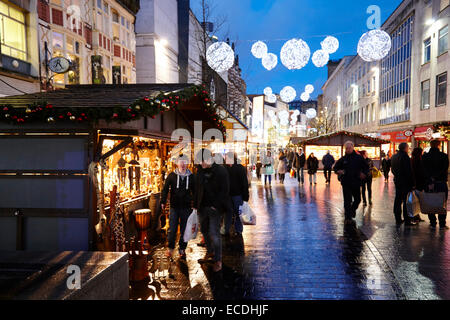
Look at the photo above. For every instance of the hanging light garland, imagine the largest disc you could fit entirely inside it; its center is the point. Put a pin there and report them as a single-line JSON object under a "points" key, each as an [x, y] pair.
{"points": [[374, 45], [309, 89], [320, 58], [220, 57], [267, 91], [270, 61], [311, 113], [330, 44], [295, 54], [271, 98], [259, 49], [288, 94], [305, 96]]}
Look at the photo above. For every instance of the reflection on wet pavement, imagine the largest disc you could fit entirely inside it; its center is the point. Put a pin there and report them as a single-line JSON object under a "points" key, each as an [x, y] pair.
{"points": [[301, 249]]}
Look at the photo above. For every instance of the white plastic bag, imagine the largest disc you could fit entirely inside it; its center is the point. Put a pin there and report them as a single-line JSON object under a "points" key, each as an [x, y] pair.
{"points": [[412, 204], [248, 217], [192, 227]]}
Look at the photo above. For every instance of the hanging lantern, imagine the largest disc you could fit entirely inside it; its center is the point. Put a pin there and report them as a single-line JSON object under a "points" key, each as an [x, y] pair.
{"points": [[220, 57], [309, 89], [330, 44], [288, 94], [374, 45], [271, 98], [295, 54], [320, 58], [305, 96], [311, 113], [270, 61], [259, 49], [268, 91]]}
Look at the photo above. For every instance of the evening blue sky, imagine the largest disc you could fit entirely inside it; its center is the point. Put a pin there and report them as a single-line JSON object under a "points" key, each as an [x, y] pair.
{"points": [[275, 21]]}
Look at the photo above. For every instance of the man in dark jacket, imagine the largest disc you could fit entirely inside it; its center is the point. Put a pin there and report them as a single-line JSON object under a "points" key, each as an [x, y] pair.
{"points": [[436, 165], [290, 158], [181, 186], [238, 192], [328, 162], [299, 164], [386, 166], [211, 199], [403, 180], [352, 169]]}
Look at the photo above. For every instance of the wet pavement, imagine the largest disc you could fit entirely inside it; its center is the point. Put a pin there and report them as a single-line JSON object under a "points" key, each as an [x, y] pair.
{"points": [[301, 249]]}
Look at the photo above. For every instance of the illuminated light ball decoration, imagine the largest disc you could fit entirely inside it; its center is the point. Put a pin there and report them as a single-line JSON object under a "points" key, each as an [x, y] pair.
{"points": [[268, 91], [305, 96], [270, 61], [320, 58], [271, 98], [309, 89], [311, 113], [296, 112], [288, 94], [271, 113], [259, 49], [295, 54], [330, 44], [220, 56], [374, 45]]}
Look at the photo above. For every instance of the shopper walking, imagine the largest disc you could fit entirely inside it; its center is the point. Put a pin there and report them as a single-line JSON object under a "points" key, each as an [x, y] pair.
{"points": [[367, 182], [328, 162], [351, 169], [180, 183], [290, 158], [299, 165], [211, 199], [436, 165], [238, 192], [268, 165], [386, 166], [312, 164], [403, 180], [282, 166]]}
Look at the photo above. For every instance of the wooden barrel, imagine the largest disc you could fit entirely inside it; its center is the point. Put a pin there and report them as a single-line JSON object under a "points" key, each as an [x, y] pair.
{"points": [[143, 219], [155, 207]]}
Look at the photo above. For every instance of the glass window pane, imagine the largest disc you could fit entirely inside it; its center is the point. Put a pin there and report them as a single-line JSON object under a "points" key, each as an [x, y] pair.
{"points": [[16, 14], [443, 40], [58, 40], [14, 35]]}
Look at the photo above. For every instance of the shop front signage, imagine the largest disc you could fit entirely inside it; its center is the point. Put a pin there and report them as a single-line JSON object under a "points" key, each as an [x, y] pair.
{"points": [[423, 133], [397, 136]]}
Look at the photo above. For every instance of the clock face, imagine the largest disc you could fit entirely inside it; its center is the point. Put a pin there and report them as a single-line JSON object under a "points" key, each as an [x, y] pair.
{"points": [[59, 65]]}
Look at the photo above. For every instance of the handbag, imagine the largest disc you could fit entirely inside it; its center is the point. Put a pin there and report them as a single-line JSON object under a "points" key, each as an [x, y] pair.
{"points": [[192, 227], [413, 204], [432, 202], [292, 173]]}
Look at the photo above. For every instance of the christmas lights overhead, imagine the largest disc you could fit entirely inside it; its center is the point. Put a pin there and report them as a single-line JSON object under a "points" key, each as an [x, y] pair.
{"points": [[271, 98], [259, 49], [288, 94], [305, 96], [330, 44], [295, 54], [271, 113], [220, 57], [268, 91], [311, 113], [374, 45], [320, 58], [270, 61], [296, 112], [309, 89]]}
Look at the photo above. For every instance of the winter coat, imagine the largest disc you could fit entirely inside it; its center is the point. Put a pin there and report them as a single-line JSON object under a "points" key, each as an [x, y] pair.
{"points": [[386, 165], [418, 174], [212, 188], [181, 189], [282, 165], [299, 161], [312, 164], [238, 181], [370, 164], [401, 168], [353, 165], [328, 161], [436, 165]]}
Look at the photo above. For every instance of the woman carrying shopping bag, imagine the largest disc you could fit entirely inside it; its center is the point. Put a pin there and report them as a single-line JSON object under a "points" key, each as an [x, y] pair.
{"points": [[268, 168], [282, 166]]}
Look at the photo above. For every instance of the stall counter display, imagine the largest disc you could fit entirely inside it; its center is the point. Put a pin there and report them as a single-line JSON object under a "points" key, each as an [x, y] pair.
{"points": [[321, 151], [372, 152]]}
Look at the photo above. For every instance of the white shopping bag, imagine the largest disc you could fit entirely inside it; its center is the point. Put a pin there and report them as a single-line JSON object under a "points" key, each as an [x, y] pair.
{"points": [[192, 227], [248, 217]]}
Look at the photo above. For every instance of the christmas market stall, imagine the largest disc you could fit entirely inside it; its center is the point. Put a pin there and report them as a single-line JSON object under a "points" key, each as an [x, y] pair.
{"points": [[84, 166], [334, 142]]}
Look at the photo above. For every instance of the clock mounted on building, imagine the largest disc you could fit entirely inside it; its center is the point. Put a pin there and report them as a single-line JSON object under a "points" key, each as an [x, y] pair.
{"points": [[59, 65]]}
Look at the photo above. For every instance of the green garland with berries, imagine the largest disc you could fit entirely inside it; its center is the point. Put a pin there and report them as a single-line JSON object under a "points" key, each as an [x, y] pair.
{"points": [[143, 107]]}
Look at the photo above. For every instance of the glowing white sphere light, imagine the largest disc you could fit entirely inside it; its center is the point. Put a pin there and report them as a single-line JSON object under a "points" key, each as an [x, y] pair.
{"points": [[311, 113], [271, 113], [220, 56], [270, 61], [320, 58], [268, 91], [305, 96], [309, 88], [271, 98], [259, 49], [374, 45], [330, 44], [297, 112], [295, 54], [288, 94]]}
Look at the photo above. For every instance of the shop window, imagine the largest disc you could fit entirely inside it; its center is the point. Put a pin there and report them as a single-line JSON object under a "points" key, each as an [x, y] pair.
{"points": [[73, 76], [427, 50], [443, 40], [115, 16], [116, 32], [44, 10], [441, 89], [12, 32], [425, 100]]}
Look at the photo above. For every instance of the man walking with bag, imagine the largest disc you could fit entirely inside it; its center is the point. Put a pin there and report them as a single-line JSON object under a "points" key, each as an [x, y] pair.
{"points": [[299, 165], [328, 162], [403, 180], [436, 166]]}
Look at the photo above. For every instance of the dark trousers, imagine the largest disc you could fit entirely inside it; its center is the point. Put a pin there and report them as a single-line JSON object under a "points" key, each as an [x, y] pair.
{"points": [[386, 175], [178, 216], [300, 176], [281, 176], [352, 199], [367, 184], [210, 220], [233, 213], [268, 176], [401, 195], [439, 187], [327, 174]]}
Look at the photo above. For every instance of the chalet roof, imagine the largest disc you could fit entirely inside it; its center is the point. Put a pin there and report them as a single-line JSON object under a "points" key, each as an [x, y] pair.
{"points": [[340, 137]]}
